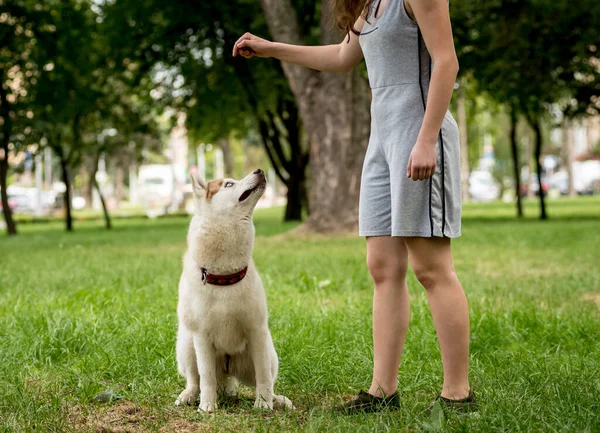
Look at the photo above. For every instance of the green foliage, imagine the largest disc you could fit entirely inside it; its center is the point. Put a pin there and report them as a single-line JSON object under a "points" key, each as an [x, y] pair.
{"points": [[23, 25], [531, 54], [71, 330], [188, 49]]}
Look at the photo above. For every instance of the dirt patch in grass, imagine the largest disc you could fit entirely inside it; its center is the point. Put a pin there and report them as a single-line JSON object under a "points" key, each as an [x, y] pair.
{"points": [[594, 297], [127, 417]]}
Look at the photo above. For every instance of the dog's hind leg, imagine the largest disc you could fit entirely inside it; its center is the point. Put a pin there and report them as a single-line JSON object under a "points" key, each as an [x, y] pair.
{"points": [[282, 402], [228, 385], [226, 381], [187, 366]]}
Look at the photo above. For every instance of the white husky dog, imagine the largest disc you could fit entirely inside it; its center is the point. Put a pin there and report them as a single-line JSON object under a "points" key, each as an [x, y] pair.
{"points": [[223, 334]]}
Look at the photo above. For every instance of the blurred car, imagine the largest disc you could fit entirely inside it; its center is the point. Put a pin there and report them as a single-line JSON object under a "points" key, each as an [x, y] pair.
{"points": [[22, 199], [25, 200], [482, 186], [559, 181], [11, 203], [531, 183], [586, 178], [157, 188]]}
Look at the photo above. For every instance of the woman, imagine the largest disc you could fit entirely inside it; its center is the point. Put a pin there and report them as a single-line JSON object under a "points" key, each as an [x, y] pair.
{"points": [[410, 198]]}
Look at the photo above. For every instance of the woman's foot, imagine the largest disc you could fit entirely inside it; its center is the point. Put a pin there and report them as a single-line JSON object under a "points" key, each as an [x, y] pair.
{"points": [[368, 403], [461, 406]]}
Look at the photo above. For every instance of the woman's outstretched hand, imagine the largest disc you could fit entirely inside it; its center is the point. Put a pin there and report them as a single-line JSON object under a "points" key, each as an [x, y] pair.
{"points": [[249, 46], [422, 162]]}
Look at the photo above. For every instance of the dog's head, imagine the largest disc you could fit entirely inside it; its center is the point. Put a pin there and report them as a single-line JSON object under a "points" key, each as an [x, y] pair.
{"points": [[228, 198]]}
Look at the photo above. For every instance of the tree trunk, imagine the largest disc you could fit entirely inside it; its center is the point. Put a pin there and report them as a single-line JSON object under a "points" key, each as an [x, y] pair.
{"points": [[335, 111], [464, 143], [296, 191], [535, 124], [89, 187], [569, 156], [225, 146], [66, 181], [515, 159], [119, 182], [289, 170], [297, 199], [530, 193], [107, 222], [94, 181], [11, 227]]}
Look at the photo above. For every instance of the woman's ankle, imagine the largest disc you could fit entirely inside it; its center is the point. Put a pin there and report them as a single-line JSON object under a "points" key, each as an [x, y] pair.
{"points": [[383, 390], [456, 392]]}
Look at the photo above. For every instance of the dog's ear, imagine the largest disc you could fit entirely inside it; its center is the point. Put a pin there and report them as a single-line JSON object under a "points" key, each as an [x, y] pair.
{"points": [[198, 185]]}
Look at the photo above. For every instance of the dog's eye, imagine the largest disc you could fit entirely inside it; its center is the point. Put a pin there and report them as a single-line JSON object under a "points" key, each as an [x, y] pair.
{"points": [[228, 184]]}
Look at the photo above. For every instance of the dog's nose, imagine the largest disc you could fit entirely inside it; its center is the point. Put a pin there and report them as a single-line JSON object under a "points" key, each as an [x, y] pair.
{"points": [[258, 171]]}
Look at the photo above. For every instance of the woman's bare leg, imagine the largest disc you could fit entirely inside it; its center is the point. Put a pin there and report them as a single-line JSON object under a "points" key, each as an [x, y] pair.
{"points": [[387, 259], [431, 259]]}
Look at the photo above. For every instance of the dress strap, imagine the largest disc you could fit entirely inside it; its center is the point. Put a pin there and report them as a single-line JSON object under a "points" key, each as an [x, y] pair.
{"points": [[377, 9]]}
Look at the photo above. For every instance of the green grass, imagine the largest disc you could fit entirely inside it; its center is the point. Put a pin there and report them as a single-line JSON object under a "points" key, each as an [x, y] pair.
{"points": [[94, 310]]}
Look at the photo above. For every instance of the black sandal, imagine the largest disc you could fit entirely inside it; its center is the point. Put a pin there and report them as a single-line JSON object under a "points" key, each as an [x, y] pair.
{"points": [[464, 405], [368, 403]]}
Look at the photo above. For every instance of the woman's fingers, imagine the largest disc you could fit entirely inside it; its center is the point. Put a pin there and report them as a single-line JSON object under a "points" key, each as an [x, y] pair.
{"points": [[416, 172], [245, 48], [408, 167], [245, 36]]}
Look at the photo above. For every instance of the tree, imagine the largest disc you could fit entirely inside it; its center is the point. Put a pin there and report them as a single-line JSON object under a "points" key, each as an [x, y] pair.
{"points": [[21, 25], [7, 125], [324, 100], [515, 159], [187, 48], [83, 94], [120, 122], [532, 55], [65, 93]]}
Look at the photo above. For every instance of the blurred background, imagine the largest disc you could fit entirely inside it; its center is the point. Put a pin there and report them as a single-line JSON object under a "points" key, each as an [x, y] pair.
{"points": [[106, 107]]}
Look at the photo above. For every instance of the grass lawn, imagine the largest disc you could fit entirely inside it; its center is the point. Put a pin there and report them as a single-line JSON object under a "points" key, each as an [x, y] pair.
{"points": [[94, 311]]}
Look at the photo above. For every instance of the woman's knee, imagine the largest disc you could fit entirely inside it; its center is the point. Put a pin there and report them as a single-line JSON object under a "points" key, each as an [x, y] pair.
{"points": [[386, 268], [430, 275]]}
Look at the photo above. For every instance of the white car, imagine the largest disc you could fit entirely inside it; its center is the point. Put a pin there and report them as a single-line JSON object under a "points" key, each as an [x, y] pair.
{"points": [[157, 184], [482, 186], [586, 175]]}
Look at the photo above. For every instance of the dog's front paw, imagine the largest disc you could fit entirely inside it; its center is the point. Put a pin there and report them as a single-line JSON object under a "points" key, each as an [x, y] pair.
{"points": [[282, 402], [262, 403], [187, 397], [206, 407]]}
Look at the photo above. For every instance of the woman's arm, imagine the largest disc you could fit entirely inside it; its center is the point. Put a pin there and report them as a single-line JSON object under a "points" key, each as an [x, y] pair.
{"points": [[329, 58], [433, 18]]}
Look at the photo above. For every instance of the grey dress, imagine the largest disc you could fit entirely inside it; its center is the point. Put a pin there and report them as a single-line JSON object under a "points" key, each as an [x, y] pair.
{"points": [[399, 69]]}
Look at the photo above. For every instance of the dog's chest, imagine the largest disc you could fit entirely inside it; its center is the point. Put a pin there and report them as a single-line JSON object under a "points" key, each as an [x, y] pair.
{"points": [[222, 318], [227, 335]]}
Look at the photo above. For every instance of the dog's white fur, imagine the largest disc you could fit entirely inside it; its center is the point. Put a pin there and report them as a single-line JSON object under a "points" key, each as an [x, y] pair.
{"points": [[215, 321]]}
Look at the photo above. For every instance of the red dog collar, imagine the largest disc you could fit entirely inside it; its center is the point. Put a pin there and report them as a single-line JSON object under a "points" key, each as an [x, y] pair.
{"points": [[222, 280]]}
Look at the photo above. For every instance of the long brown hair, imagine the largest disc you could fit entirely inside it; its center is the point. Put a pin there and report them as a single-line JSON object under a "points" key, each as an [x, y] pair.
{"points": [[346, 12]]}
